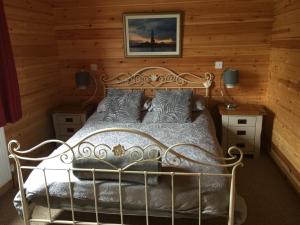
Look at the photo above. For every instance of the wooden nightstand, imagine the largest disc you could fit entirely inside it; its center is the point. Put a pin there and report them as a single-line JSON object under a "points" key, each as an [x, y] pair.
{"points": [[242, 127], [67, 119]]}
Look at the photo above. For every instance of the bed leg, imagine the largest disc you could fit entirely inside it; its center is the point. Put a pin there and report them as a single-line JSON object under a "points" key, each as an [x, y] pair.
{"points": [[232, 197], [25, 208]]}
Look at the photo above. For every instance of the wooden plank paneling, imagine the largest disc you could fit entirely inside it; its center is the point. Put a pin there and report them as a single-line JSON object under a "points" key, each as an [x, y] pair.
{"points": [[52, 39], [237, 32], [31, 27], [283, 95]]}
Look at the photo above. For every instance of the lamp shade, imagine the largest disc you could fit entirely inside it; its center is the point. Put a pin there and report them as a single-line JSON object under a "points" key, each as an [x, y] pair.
{"points": [[82, 79], [230, 78]]}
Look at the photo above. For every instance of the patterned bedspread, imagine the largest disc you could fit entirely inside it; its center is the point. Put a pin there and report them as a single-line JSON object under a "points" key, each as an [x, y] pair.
{"points": [[215, 190]]}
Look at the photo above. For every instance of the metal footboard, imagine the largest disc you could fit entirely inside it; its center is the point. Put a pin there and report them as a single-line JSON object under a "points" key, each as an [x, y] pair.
{"points": [[100, 151]]}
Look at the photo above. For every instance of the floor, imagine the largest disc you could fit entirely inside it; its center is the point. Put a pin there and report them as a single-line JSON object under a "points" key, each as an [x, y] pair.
{"points": [[269, 197]]}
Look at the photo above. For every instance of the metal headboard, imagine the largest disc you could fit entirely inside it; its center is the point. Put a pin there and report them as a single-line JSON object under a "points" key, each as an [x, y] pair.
{"points": [[156, 77]]}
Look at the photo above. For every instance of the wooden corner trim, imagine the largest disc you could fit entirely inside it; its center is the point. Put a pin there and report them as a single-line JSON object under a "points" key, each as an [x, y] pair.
{"points": [[286, 167]]}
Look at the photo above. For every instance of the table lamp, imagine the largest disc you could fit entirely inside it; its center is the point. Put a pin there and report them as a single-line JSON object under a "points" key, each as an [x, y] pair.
{"points": [[230, 79], [83, 80]]}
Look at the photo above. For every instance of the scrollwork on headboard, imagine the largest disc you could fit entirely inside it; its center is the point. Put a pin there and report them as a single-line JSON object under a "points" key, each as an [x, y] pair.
{"points": [[156, 77]]}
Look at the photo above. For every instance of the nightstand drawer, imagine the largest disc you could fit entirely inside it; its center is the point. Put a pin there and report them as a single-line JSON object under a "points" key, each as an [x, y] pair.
{"points": [[67, 119], [67, 130], [246, 146], [239, 132], [242, 121]]}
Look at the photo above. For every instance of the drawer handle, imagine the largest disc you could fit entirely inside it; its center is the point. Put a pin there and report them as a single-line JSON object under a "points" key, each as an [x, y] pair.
{"points": [[241, 132], [70, 130], [69, 120], [242, 121], [240, 145]]}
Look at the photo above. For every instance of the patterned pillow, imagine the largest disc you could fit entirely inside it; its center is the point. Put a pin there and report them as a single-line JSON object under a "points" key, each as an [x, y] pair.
{"points": [[124, 108], [114, 92], [117, 92], [172, 106], [146, 105]]}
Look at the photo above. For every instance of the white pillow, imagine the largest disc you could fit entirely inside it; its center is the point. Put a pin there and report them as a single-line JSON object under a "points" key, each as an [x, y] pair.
{"points": [[101, 106], [199, 105]]}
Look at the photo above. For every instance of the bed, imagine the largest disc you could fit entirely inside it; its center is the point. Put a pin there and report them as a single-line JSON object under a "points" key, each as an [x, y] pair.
{"points": [[189, 154]]}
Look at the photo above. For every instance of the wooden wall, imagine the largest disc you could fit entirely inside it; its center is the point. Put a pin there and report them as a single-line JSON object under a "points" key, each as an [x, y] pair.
{"points": [[283, 96], [31, 26], [52, 39], [236, 32]]}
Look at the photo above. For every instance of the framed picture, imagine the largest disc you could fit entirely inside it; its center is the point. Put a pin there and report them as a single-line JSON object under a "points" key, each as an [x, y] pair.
{"points": [[152, 35]]}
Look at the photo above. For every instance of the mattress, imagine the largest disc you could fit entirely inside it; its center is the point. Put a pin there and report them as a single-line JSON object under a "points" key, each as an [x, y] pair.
{"points": [[215, 189]]}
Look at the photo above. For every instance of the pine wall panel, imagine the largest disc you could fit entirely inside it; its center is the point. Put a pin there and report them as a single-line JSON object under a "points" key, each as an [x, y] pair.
{"points": [[236, 32], [52, 39], [31, 28], [283, 95]]}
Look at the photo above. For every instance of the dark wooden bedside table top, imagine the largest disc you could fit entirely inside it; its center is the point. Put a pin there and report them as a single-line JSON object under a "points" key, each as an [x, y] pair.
{"points": [[242, 109]]}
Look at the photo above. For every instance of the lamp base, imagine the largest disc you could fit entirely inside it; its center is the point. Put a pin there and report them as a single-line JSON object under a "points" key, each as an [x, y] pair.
{"points": [[230, 106]]}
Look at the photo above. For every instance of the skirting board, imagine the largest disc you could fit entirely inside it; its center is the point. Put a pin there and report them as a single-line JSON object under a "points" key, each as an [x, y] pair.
{"points": [[6, 187], [286, 170]]}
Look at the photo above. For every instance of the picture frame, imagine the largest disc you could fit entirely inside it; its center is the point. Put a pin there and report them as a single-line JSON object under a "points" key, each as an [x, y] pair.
{"points": [[152, 34]]}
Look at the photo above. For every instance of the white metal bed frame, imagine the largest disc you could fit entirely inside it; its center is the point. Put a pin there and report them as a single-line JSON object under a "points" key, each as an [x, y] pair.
{"points": [[149, 77], [156, 77]]}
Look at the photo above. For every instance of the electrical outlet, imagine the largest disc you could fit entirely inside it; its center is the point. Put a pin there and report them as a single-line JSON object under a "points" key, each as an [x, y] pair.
{"points": [[219, 65], [94, 67]]}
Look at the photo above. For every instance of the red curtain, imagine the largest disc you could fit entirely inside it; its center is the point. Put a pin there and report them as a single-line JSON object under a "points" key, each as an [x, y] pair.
{"points": [[10, 104]]}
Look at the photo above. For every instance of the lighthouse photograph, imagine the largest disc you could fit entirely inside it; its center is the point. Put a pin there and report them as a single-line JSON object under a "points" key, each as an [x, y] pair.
{"points": [[152, 35]]}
